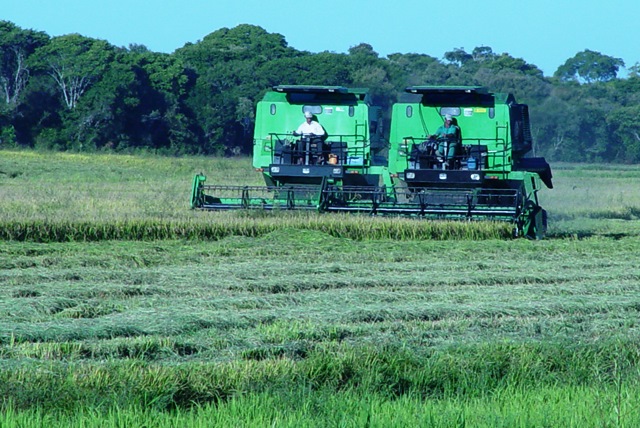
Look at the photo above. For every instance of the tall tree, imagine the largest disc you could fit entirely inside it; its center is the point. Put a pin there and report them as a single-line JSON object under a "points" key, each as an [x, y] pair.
{"points": [[74, 62], [458, 57], [589, 66], [505, 61], [158, 118], [482, 54], [416, 69], [625, 122], [370, 71], [16, 45], [227, 64]]}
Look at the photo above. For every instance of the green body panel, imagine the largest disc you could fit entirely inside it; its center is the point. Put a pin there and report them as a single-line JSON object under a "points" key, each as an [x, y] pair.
{"points": [[196, 190], [483, 120]]}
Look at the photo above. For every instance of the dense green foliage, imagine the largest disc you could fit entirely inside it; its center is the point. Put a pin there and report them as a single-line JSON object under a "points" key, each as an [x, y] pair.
{"points": [[80, 94]]}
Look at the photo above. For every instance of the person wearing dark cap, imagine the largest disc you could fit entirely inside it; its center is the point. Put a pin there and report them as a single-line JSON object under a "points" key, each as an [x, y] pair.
{"points": [[448, 136]]}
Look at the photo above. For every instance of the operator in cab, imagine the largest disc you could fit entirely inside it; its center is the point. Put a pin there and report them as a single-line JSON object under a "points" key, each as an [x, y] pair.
{"points": [[448, 137], [309, 126], [311, 148]]}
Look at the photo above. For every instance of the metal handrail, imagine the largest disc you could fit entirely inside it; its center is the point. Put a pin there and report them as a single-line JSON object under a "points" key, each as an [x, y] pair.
{"points": [[496, 160], [344, 139]]}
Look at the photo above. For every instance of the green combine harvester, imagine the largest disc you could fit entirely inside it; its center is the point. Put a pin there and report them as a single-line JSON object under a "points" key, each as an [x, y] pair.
{"points": [[477, 172], [297, 167], [480, 172]]}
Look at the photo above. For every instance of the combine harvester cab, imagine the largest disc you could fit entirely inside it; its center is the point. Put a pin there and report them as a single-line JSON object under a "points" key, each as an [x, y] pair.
{"points": [[296, 168], [480, 172]]}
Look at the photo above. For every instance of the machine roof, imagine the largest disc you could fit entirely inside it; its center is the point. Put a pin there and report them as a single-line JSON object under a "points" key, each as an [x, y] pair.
{"points": [[447, 90], [289, 89], [461, 96], [297, 94]]}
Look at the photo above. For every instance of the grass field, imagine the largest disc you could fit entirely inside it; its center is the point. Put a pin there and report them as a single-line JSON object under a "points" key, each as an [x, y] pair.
{"points": [[201, 319]]}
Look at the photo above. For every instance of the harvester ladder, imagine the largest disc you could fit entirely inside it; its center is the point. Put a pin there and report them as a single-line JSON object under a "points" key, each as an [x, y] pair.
{"points": [[502, 141], [360, 140], [423, 203], [361, 137]]}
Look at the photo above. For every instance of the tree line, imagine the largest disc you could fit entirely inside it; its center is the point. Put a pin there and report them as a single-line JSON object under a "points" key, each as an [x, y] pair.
{"points": [[77, 93]]}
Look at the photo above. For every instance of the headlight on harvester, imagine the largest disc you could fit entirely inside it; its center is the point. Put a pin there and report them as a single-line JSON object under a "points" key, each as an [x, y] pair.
{"points": [[411, 175], [275, 169], [475, 177]]}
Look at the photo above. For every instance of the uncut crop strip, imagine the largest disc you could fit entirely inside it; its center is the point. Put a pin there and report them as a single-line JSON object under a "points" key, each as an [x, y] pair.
{"points": [[352, 227]]}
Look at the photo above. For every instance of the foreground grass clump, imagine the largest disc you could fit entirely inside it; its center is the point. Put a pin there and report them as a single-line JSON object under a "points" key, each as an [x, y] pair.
{"points": [[391, 371], [574, 407], [575, 385]]}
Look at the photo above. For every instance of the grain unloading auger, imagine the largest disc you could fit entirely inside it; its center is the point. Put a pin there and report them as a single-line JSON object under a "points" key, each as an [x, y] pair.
{"points": [[297, 167]]}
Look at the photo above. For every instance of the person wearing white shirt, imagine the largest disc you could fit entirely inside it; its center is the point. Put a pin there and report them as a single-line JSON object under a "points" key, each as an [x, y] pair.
{"points": [[311, 146], [309, 126]]}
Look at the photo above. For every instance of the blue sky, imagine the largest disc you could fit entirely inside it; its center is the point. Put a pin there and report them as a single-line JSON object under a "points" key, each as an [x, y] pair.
{"points": [[542, 32]]}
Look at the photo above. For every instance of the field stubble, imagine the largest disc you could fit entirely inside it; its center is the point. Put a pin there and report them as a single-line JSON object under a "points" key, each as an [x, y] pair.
{"points": [[296, 305]]}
